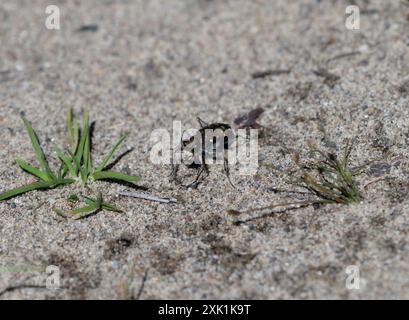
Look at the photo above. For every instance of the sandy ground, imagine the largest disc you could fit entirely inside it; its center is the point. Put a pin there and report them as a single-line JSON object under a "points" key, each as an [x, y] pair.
{"points": [[149, 63]]}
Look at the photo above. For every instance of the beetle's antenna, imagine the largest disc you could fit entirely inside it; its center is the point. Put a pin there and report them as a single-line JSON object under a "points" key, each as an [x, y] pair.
{"points": [[202, 123]]}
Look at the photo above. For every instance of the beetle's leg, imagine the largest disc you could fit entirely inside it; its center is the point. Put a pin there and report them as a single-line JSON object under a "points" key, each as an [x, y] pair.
{"points": [[175, 168], [227, 171], [202, 123], [174, 172], [199, 178]]}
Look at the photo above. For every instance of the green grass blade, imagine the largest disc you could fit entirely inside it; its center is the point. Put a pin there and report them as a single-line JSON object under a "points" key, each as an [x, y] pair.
{"points": [[77, 213], [98, 203], [108, 158], [87, 146], [112, 175], [32, 170], [62, 171], [73, 130], [103, 205], [66, 160], [87, 155], [89, 200], [84, 177], [110, 207], [84, 137], [37, 148], [73, 197], [80, 169], [74, 162], [59, 212], [34, 186], [86, 209]]}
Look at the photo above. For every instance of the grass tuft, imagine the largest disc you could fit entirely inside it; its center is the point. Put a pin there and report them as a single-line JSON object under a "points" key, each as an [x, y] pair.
{"points": [[328, 177], [75, 165], [78, 164]]}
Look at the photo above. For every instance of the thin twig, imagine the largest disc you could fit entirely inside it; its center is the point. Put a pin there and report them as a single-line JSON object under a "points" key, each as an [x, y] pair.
{"points": [[145, 276], [374, 181], [276, 190], [269, 214], [146, 196], [271, 72], [344, 55], [21, 286], [297, 204]]}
